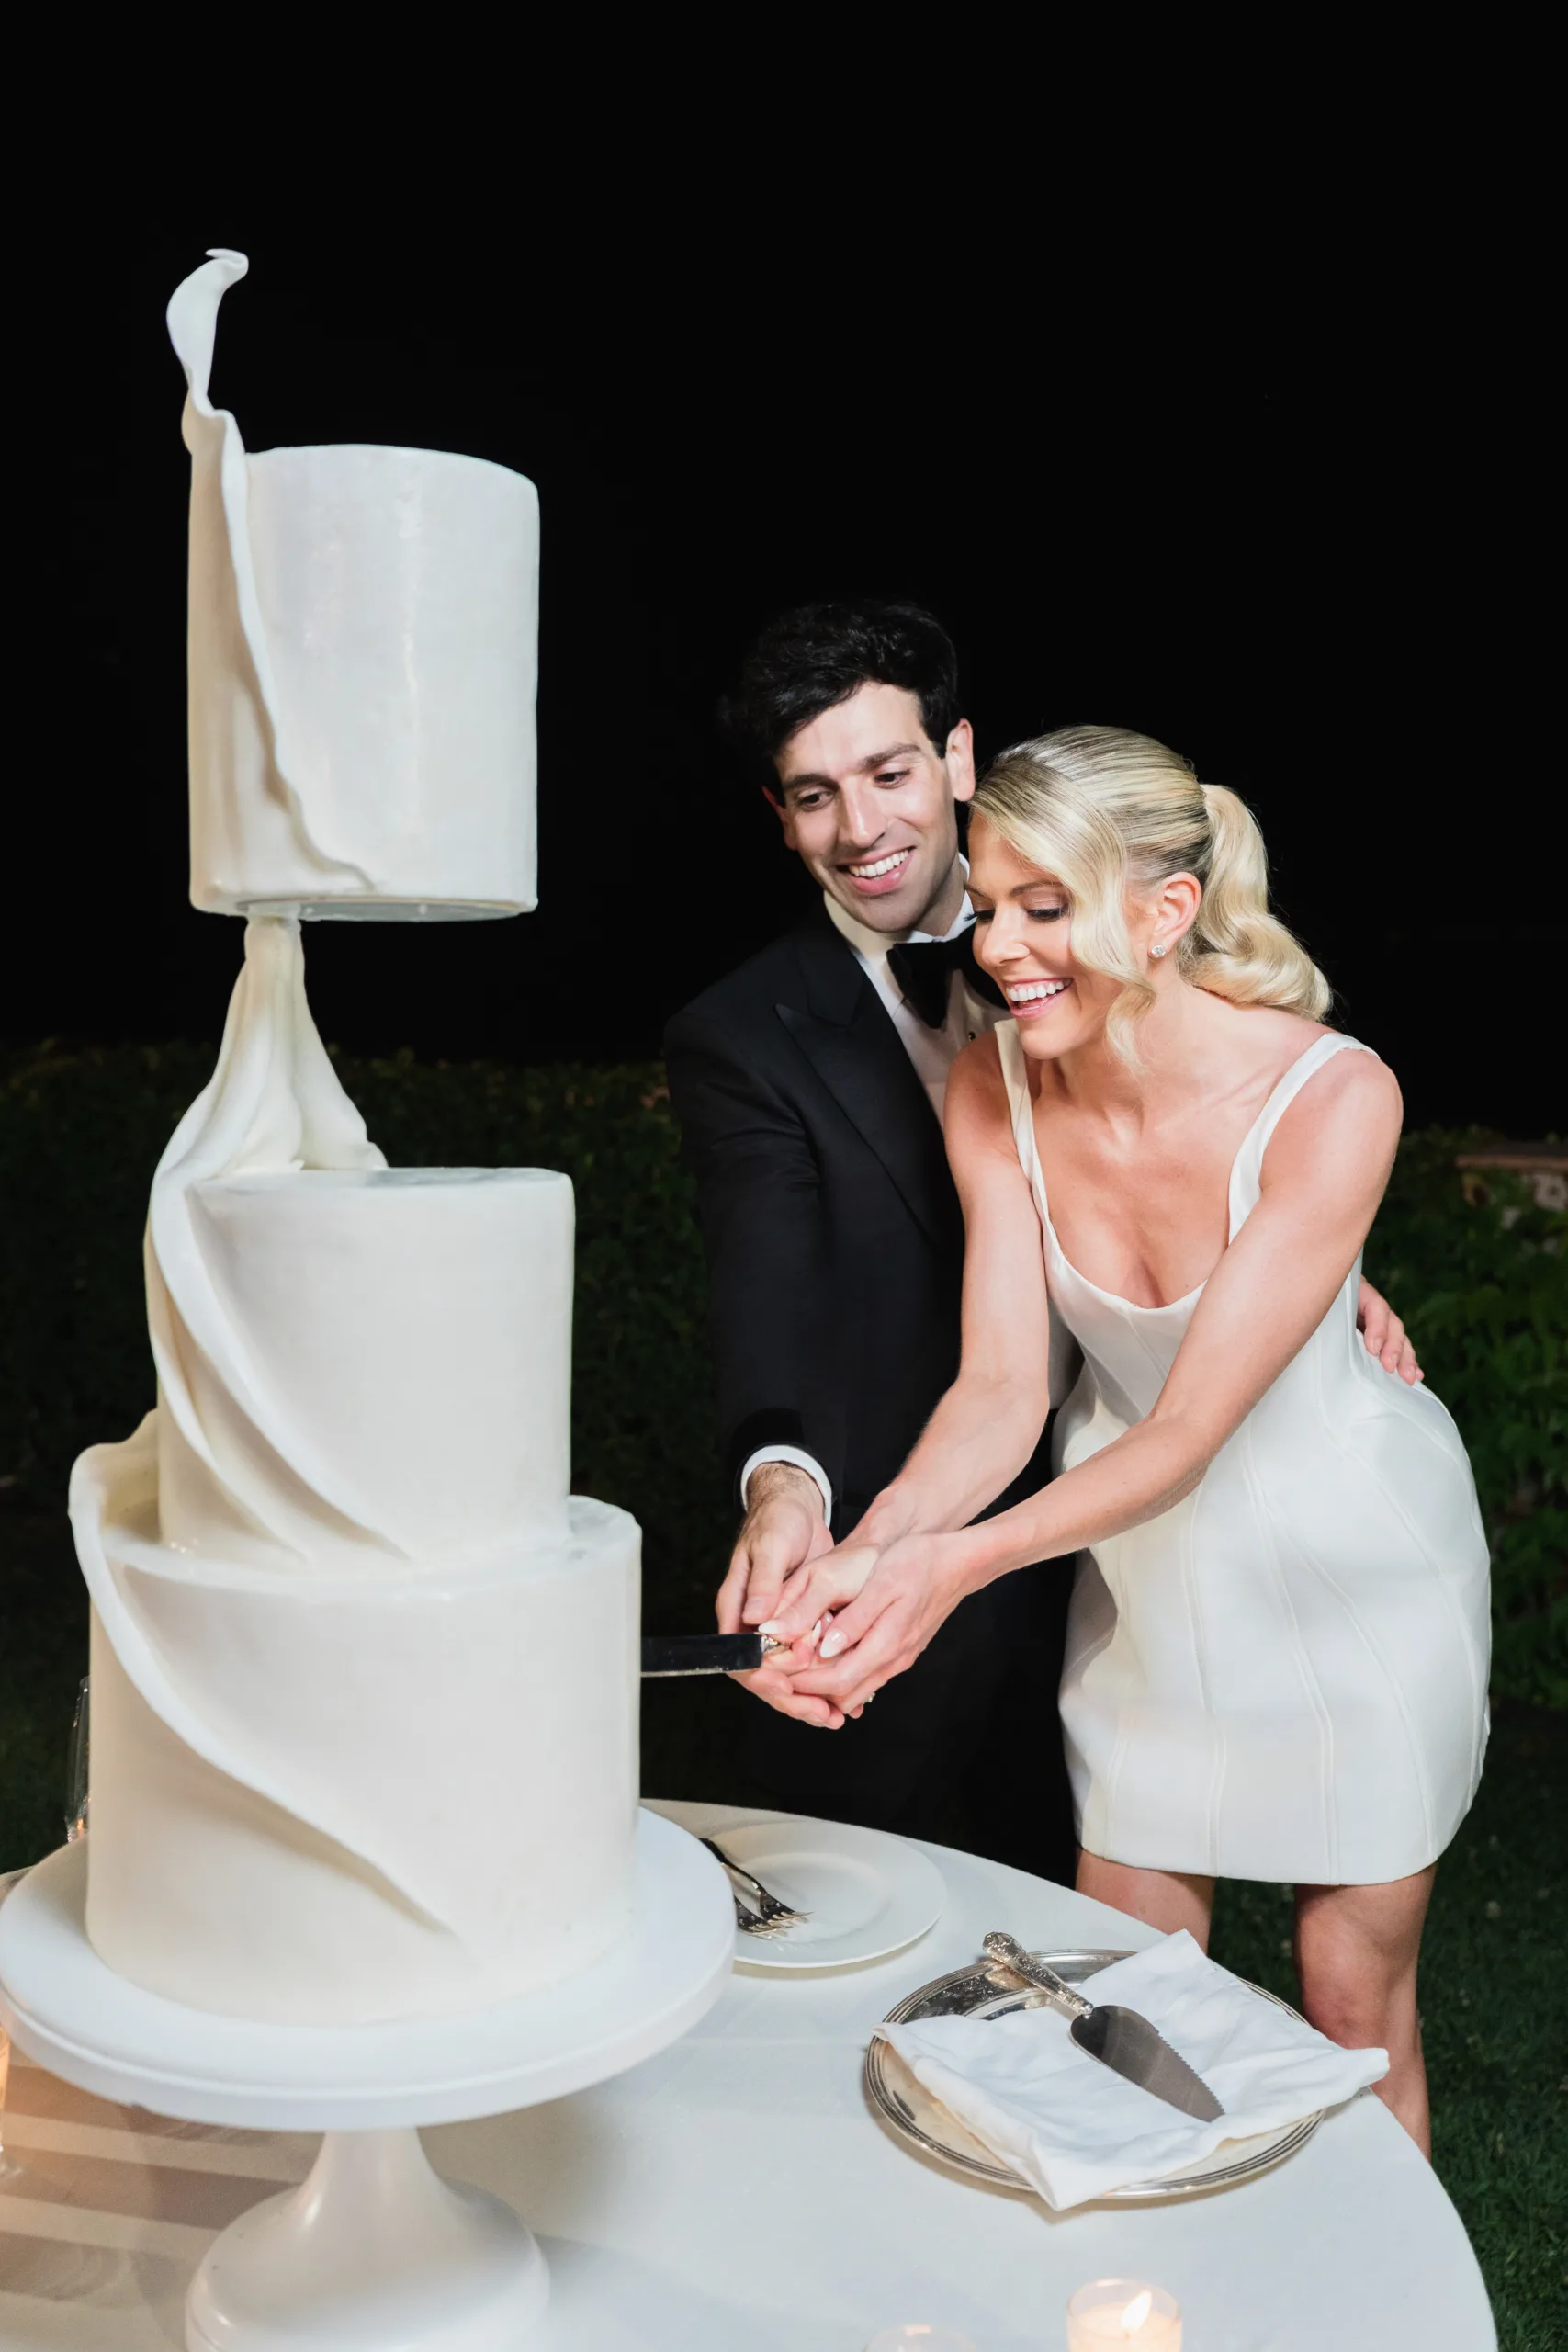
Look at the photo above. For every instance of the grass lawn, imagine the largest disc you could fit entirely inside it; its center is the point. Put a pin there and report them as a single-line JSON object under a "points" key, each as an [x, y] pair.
{"points": [[1495, 1992]]}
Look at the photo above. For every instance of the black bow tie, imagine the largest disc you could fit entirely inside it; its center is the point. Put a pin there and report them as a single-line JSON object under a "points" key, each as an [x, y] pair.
{"points": [[924, 967]]}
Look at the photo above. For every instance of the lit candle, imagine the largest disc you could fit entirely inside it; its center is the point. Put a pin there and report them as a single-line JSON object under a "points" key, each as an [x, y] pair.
{"points": [[1123, 2315]]}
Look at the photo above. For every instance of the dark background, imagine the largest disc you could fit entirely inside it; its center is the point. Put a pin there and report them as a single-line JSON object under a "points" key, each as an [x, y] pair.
{"points": [[1268, 494]]}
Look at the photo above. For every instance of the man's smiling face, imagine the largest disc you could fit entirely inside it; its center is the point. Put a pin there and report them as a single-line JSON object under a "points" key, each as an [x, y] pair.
{"points": [[871, 805]]}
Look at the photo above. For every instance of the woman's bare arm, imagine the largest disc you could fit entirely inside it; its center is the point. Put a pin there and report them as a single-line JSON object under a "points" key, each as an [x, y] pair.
{"points": [[1324, 1176], [988, 1424]]}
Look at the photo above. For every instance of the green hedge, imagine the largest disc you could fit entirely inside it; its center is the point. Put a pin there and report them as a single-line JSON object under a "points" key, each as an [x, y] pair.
{"points": [[1485, 1289]]}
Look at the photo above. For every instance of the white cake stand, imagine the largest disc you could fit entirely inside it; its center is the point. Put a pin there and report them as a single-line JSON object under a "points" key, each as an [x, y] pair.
{"points": [[373, 2253]]}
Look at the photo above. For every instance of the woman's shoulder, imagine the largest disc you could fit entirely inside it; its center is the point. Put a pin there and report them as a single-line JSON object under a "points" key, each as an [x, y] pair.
{"points": [[1352, 1070], [977, 1070], [1274, 1042], [1264, 1034], [978, 1105], [1349, 1110]]}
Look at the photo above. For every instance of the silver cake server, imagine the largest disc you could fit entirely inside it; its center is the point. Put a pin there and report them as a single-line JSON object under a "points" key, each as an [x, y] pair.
{"points": [[1118, 2037]]}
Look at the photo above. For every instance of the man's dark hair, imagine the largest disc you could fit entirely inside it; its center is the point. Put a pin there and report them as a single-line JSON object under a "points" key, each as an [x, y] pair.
{"points": [[807, 661]]}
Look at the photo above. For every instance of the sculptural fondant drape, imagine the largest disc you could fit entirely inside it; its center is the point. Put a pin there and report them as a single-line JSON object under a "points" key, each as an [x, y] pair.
{"points": [[348, 1356]]}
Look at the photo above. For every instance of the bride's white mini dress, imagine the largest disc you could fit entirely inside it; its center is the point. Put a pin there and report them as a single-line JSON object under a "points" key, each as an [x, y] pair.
{"points": [[1284, 1676]]}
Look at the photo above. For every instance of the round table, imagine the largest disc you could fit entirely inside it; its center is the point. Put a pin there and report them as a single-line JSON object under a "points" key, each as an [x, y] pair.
{"points": [[735, 2194]]}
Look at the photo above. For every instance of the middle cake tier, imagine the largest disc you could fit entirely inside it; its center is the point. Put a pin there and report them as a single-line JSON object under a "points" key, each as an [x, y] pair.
{"points": [[382, 1357]]}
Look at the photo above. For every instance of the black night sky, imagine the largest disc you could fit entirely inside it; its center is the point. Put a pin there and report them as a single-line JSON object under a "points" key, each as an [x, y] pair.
{"points": [[1274, 515]]}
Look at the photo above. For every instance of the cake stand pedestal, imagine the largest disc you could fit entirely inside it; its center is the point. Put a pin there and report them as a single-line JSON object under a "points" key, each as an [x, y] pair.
{"points": [[374, 2253]]}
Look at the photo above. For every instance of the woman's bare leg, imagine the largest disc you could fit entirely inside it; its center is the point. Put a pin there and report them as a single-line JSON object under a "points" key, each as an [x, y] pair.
{"points": [[1355, 1955], [1165, 1899]]}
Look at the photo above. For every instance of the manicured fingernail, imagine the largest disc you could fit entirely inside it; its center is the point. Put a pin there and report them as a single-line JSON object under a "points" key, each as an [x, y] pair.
{"points": [[773, 1630], [833, 1644]]}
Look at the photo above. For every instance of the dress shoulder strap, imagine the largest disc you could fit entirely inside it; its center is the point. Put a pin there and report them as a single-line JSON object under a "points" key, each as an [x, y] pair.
{"points": [[1246, 1170], [1021, 1107]]}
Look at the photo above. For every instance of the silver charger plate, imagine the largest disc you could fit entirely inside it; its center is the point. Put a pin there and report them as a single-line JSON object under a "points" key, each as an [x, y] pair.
{"points": [[915, 2117]]}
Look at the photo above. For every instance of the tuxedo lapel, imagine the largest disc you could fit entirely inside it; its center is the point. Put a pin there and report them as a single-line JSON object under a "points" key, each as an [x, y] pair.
{"points": [[842, 1028]]}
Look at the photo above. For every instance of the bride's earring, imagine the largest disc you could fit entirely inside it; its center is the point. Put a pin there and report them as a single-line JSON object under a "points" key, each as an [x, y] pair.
{"points": [[1158, 948]]}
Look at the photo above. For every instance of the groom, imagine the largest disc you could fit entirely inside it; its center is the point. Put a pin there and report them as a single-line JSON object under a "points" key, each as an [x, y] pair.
{"points": [[809, 1085]]}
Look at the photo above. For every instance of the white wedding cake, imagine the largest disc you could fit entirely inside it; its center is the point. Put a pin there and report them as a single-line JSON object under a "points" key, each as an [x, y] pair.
{"points": [[364, 1673]]}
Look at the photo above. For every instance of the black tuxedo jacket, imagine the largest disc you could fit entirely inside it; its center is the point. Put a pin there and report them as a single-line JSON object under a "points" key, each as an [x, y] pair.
{"points": [[833, 1233], [835, 1248]]}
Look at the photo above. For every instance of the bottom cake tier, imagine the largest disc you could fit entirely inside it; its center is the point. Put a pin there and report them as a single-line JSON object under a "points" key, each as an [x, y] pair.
{"points": [[336, 1798]]}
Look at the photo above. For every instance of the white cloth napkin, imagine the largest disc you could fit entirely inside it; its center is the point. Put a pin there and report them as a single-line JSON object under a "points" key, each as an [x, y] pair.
{"points": [[1075, 2129]]}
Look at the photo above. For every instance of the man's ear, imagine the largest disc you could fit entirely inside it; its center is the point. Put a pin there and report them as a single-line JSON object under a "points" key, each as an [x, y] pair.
{"points": [[960, 759], [780, 811]]}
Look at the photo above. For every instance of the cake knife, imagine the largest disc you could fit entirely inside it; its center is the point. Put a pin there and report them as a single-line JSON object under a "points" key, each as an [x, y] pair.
{"points": [[670, 1654], [1118, 2037]]}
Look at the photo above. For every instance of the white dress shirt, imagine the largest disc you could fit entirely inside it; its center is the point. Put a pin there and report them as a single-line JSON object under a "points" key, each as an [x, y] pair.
{"points": [[932, 1053]]}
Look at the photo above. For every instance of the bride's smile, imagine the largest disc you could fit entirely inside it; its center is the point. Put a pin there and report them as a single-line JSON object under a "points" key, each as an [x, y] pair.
{"points": [[1029, 998]]}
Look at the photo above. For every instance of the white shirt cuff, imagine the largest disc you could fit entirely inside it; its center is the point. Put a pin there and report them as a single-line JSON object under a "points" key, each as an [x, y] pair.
{"points": [[801, 1462]]}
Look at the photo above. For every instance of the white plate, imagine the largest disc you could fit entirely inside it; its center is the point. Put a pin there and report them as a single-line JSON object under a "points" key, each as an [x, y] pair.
{"points": [[868, 1894], [904, 2102]]}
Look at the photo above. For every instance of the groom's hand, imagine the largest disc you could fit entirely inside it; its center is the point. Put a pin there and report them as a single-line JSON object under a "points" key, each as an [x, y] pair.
{"points": [[782, 1531], [876, 1606], [1385, 1335]]}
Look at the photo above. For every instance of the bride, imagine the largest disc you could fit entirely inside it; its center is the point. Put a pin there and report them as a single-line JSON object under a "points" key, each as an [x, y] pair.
{"points": [[1278, 1648]]}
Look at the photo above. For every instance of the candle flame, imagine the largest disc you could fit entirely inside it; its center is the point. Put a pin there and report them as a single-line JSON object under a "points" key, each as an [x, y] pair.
{"points": [[1136, 2312]]}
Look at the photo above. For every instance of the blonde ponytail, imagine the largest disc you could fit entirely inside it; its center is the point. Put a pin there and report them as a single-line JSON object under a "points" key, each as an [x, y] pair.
{"points": [[1236, 948], [1102, 809]]}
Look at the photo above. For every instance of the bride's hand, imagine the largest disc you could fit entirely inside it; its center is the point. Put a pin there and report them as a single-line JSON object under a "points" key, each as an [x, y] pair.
{"points": [[884, 1600]]}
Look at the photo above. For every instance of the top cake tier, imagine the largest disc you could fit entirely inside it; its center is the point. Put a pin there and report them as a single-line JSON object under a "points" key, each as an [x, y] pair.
{"points": [[363, 652]]}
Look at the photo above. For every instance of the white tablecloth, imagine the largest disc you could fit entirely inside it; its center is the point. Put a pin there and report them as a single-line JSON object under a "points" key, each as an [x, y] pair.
{"points": [[736, 2195]]}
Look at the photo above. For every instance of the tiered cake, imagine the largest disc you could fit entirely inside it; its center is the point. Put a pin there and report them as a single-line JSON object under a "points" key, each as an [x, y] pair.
{"points": [[364, 1675]]}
